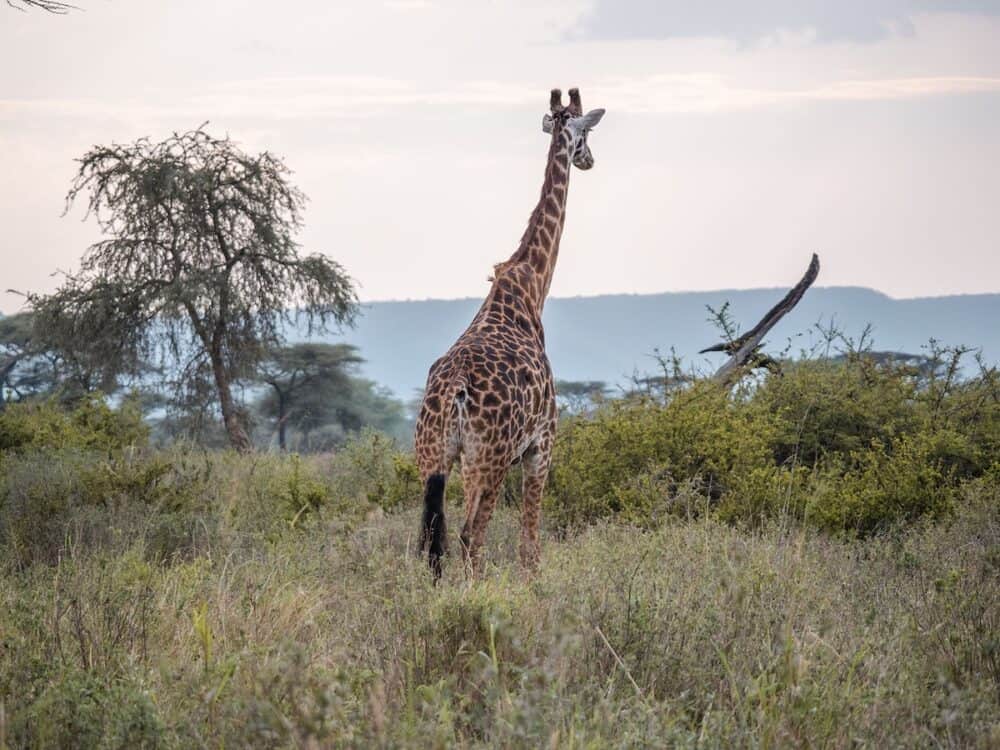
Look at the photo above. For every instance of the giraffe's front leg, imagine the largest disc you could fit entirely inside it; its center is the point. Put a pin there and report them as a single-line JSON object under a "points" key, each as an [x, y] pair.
{"points": [[535, 470]]}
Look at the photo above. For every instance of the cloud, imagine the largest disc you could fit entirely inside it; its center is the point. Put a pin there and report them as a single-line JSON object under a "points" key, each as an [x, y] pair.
{"points": [[830, 20], [706, 93], [277, 99], [357, 98]]}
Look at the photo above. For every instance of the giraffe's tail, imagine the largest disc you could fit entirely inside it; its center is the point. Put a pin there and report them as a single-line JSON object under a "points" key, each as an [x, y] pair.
{"points": [[433, 526], [442, 445]]}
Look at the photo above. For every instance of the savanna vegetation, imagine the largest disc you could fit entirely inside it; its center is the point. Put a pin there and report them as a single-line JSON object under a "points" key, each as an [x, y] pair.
{"points": [[809, 559]]}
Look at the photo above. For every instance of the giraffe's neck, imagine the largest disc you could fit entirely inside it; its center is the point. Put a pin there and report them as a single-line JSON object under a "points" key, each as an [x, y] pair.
{"points": [[539, 246]]}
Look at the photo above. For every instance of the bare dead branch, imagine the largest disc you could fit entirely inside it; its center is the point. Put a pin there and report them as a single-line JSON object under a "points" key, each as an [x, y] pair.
{"points": [[618, 660], [50, 6], [745, 350]]}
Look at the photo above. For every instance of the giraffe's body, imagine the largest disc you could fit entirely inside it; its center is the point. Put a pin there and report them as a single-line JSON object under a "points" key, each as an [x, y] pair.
{"points": [[490, 399]]}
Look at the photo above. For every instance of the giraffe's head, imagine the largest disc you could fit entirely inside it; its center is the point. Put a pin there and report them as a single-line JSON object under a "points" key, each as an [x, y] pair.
{"points": [[572, 122]]}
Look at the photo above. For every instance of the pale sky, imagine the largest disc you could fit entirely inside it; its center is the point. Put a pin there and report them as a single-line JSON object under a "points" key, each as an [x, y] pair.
{"points": [[736, 142]]}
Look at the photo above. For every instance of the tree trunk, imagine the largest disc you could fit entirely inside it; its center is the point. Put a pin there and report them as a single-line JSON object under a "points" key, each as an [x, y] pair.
{"points": [[282, 421], [5, 370], [238, 437]]}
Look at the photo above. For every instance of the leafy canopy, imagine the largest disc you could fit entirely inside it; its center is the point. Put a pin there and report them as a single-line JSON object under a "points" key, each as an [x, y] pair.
{"points": [[199, 263]]}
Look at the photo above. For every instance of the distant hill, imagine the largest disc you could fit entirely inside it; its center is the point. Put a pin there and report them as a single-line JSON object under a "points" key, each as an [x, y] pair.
{"points": [[609, 337]]}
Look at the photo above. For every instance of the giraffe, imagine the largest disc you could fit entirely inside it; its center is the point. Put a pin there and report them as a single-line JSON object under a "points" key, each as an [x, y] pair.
{"points": [[490, 399]]}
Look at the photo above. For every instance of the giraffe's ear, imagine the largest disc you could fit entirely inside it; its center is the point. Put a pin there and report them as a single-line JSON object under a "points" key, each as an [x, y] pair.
{"points": [[590, 120], [547, 124]]}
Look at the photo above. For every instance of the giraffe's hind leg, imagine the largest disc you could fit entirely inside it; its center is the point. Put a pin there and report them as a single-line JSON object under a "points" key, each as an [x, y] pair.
{"points": [[535, 470], [481, 487]]}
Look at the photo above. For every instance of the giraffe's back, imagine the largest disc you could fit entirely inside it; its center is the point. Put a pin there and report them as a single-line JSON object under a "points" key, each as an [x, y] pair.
{"points": [[490, 396]]}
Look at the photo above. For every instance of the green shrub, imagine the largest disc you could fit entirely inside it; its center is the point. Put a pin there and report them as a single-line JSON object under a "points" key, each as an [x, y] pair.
{"points": [[701, 440], [886, 485], [838, 408], [371, 470], [284, 491], [81, 710], [405, 487], [811, 443], [38, 491], [298, 489], [822, 407], [970, 413], [92, 424], [767, 492], [50, 497]]}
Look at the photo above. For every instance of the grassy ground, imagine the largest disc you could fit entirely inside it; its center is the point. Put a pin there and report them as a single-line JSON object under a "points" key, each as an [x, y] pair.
{"points": [[239, 624]]}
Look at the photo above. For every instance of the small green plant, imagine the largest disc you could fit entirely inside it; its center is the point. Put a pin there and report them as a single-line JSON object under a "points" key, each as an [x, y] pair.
{"points": [[301, 493], [203, 634]]}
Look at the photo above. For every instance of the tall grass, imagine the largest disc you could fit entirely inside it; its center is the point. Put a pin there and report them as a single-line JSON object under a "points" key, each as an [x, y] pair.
{"points": [[265, 606], [813, 563]]}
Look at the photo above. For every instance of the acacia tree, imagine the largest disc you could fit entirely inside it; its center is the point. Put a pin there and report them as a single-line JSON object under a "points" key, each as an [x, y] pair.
{"points": [[317, 390], [199, 264], [577, 396], [293, 370], [33, 364], [15, 349]]}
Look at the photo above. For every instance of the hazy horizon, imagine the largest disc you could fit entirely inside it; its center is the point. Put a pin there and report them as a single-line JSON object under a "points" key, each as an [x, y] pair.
{"points": [[736, 141], [826, 287], [710, 290], [606, 337]]}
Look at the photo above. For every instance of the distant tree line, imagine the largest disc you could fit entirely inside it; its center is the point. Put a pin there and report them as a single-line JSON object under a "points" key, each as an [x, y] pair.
{"points": [[305, 396]]}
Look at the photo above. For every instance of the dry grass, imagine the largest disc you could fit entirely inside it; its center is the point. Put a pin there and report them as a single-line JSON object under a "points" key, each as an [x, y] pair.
{"points": [[267, 628]]}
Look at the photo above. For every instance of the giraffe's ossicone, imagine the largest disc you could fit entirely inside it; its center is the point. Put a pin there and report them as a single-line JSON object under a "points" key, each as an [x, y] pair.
{"points": [[490, 400]]}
